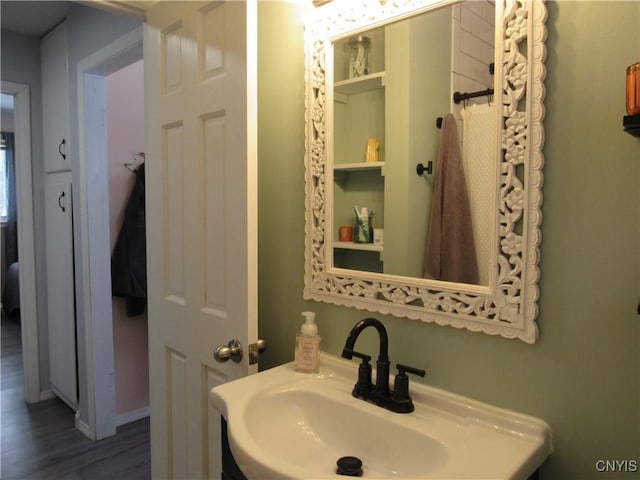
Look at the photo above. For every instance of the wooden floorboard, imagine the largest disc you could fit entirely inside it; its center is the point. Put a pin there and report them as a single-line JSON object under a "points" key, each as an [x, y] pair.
{"points": [[39, 441]]}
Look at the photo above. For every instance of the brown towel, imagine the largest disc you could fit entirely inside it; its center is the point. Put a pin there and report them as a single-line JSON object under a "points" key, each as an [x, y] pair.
{"points": [[450, 252]]}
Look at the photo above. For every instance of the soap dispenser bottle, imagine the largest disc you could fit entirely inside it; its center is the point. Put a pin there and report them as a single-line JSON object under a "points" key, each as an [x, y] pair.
{"points": [[307, 351]]}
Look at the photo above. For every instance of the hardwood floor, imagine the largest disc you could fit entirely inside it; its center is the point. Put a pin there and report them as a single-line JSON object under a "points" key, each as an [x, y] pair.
{"points": [[40, 441]]}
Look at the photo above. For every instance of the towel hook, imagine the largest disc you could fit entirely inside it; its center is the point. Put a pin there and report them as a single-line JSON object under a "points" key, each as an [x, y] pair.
{"points": [[135, 161], [421, 169]]}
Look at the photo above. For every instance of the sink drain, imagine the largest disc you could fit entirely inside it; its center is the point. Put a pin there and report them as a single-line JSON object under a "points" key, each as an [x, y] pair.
{"points": [[349, 467]]}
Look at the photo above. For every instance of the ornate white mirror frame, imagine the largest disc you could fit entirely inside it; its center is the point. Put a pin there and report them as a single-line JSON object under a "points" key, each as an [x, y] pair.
{"points": [[508, 305]]}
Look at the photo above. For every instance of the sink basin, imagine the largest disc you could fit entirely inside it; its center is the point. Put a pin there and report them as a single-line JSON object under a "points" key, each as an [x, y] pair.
{"points": [[296, 427], [285, 424]]}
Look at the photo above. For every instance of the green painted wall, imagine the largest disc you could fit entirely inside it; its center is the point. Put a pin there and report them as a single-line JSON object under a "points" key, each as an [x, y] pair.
{"points": [[583, 375], [418, 82]]}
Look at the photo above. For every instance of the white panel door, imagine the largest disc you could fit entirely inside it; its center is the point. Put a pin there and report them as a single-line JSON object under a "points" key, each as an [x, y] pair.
{"points": [[60, 291], [200, 63]]}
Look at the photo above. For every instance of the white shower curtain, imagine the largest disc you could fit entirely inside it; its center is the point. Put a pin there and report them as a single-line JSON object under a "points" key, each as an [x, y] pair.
{"points": [[478, 153]]}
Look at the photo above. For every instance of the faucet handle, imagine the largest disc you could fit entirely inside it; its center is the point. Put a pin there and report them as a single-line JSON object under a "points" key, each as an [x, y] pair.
{"points": [[363, 384], [403, 369], [401, 387]]}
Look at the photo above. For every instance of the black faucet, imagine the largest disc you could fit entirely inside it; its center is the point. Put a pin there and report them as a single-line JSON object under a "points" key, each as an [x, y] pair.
{"points": [[397, 400]]}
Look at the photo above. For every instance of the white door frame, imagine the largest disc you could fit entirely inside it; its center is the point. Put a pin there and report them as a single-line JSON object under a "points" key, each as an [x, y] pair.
{"points": [[97, 417], [26, 240]]}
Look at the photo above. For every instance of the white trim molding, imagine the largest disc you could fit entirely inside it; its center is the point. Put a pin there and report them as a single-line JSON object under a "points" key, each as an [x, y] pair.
{"points": [[93, 220], [132, 416]]}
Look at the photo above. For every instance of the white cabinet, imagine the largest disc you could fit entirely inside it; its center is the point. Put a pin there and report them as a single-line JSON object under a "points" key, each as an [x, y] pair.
{"points": [[60, 289], [55, 100], [59, 217]]}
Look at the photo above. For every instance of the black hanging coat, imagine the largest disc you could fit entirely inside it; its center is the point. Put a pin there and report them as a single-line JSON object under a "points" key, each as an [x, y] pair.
{"points": [[129, 259]]}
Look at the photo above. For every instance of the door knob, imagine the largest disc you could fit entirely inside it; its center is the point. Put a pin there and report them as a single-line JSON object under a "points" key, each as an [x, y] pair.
{"points": [[233, 351]]}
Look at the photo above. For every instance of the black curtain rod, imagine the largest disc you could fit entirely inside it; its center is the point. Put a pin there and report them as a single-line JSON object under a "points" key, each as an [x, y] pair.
{"points": [[459, 97]]}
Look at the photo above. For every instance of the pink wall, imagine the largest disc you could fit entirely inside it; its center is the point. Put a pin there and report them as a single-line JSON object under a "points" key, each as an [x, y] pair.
{"points": [[125, 124]]}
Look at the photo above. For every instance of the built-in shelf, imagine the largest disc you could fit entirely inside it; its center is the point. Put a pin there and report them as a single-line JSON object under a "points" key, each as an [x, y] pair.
{"points": [[369, 247], [341, 171], [631, 125], [357, 166], [362, 84]]}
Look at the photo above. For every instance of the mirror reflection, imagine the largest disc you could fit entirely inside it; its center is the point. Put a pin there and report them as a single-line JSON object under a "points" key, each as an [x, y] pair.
{"points": [[393, 110]]}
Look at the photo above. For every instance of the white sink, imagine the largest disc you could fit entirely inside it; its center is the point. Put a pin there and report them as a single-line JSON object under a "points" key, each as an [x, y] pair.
{"points": [[285, 424]]}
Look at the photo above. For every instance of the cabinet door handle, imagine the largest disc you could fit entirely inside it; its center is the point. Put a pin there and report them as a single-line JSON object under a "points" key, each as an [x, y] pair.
{"points": [[60, 202], [62, 143]]}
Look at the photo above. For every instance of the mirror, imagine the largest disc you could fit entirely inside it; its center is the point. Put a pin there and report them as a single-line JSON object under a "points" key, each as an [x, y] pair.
{"points": [[413, 67], [368, 128]]}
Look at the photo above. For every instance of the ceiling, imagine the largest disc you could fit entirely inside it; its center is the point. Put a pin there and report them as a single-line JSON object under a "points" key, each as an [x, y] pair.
{"points": [[32, 18], [36, 18], [29, 18]]}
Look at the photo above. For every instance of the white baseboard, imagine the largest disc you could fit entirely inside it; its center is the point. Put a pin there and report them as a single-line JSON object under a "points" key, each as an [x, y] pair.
{"points": [[83, 426], [47, 395], [132, 416]]}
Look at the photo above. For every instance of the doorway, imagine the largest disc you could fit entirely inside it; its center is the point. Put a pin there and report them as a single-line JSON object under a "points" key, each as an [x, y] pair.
{"points": [[126, 144], [26, 239], [98, 415], [9, 270]]}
